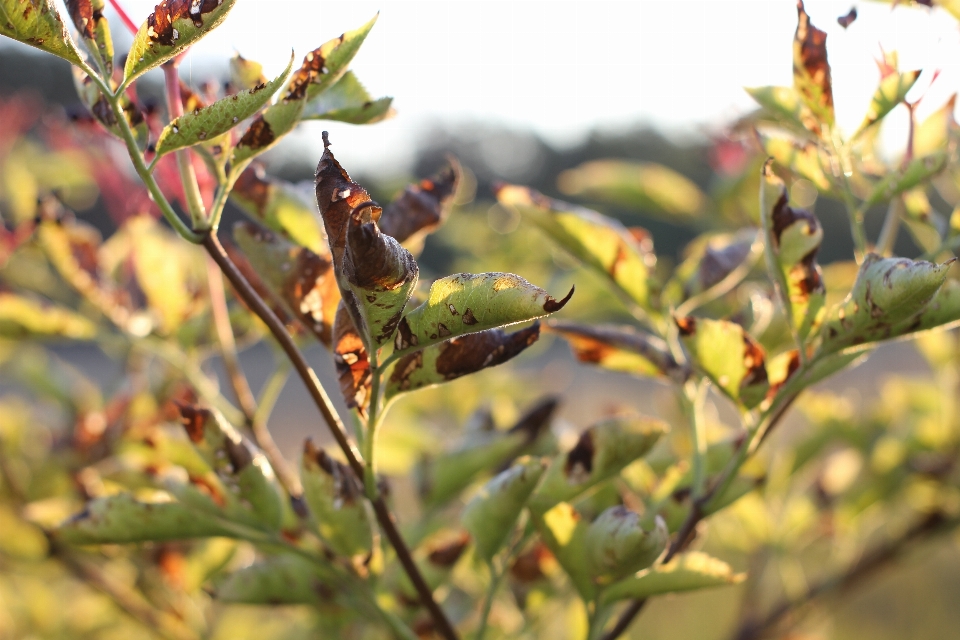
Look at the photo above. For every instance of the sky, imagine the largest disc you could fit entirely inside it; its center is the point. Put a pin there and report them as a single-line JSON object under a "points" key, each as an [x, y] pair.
{"points": [[564, 68]]}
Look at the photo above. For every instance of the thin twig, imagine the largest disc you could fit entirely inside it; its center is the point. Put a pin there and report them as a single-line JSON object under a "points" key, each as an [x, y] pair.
{"points": [[124, 18], [625, 620], [323, 403], [865, 567]]}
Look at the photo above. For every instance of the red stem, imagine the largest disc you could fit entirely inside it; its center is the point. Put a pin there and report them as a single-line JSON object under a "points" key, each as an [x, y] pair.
{"points": [[130, 24]]}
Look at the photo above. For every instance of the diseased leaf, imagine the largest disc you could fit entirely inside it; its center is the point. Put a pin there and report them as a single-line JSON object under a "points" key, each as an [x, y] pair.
{"points": [[173, 26], [282, 579], [38, 24], [563, 531], [122, 518], [811, 70], [303, 280], [348, 101], [685, 572], [492, 513], [87, 16], [436, 558], [600, 242], [422, 207], [728, 356], [279, 206], [223, 115], [602, 451], [100, 109], [458, 357], [351, 361], [918, 171], [334, 495], [245, 74], [467, 303], [327, 64], [265, 131], [620, 348], [337, 197], [378, 278], [793, 237], [888, 299], [891, 92], [646, 186], [708, 260], [21, 317]]}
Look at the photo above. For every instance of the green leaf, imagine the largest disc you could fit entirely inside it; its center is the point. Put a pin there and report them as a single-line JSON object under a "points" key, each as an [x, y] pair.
{"points": [[218, 118], [646, 186], [278, 205], [564, 531], [918, 171], [801, 158], [785, 105], [602, 451], [888, 299], [245, 74], [620, 348], [280, 579], [348, 101], [173, 26], [942, 311], [600, 242], [933, 133], [122, 518], [334, 496], [327, 64], [811, 70], [617, 543], [792, 239], [467, 303], [728, 356], [925, 225], [378, 278], [458, 357], [38, 24], [492, 513], [891, 92], [686, 572], [303, 280], [88, 18], [21, 317]]}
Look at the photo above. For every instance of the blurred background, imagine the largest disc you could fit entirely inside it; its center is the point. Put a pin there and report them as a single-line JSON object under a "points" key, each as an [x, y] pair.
{"points": [[522, 92]]}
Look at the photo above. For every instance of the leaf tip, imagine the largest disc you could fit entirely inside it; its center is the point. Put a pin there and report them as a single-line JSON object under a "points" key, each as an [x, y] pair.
{"points": [[552, 304], [326, 140]]}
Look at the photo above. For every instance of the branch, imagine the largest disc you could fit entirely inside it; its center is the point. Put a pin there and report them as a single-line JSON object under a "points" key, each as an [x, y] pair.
{"points": [[867, 565], [320, 398]]}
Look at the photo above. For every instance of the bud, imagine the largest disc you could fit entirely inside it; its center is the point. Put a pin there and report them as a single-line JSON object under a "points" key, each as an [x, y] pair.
{"points": [[492, 513], [617, 544]]}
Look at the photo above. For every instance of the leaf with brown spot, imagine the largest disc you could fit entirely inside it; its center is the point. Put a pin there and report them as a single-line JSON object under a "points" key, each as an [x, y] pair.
{"points": [[467, 303], [727, 355], [206, 123], [303, 280], [600, 242], [337, 197], [87, 16], [811, 70], [38, 24], [351, 361], [422, 207], [458, 357], [280, 206], [793, 237], [620, 348], [98, 106], [327, 64], [173, 26]]}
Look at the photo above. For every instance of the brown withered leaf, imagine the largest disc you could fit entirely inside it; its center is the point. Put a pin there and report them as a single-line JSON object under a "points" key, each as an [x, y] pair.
{"points": [[423, 207], [847, 19], [337, 197], [84, 17], [620, 348], [811, 70], [444, 553], [458, 357], [351, 361]]}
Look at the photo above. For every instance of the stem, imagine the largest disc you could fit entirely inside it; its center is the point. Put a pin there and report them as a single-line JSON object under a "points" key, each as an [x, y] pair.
{"points": [[320, 398], [495, 578], [625, 619], [373, 422], [694, 396], [188, 177], [891, 226], [131, 26]]}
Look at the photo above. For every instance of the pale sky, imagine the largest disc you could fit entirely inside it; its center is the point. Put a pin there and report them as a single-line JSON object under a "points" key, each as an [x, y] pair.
{"points": [[562, 68]]}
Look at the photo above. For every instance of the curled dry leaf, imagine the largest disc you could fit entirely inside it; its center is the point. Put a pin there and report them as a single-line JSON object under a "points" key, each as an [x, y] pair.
{"points": [[337, 197], [620, 348], [811, 70], [458, 357], [87, 16], [793, 237], [303, 281], [728, 356], [422, 207], [351, 361]]}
